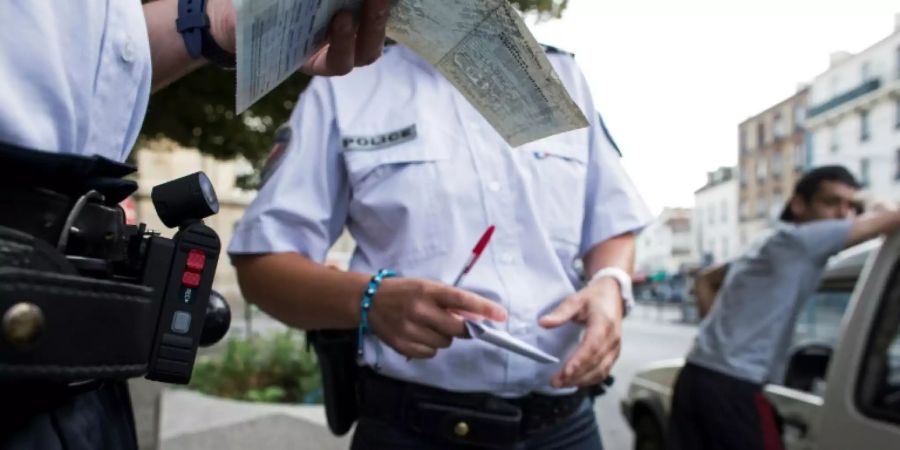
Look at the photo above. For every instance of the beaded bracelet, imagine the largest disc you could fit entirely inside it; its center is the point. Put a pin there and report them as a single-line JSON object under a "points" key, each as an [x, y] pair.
{"points": [[365, 305]]}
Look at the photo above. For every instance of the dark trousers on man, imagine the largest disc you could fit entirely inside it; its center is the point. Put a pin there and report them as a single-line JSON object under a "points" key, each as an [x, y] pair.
{"points": [[48, 417], [714, 411]]}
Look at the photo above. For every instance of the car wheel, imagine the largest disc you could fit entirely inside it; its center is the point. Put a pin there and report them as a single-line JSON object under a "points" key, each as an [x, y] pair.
{"points": [[648, 434]]}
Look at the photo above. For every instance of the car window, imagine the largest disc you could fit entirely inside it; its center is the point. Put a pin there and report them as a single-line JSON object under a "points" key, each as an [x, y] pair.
{"points": [[820, 318], [878, 393], [814, 338]]}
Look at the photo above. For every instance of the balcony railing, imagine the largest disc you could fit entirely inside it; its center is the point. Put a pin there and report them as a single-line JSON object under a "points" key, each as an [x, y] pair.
{"points": [[852, 94]]}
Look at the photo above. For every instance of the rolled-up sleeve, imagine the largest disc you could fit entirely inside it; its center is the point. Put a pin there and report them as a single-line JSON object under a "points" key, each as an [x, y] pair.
{"points": [[613, 205], [302, 206]]}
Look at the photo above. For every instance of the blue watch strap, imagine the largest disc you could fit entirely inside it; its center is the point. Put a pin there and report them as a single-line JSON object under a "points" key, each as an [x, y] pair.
{"points": [[193, 24]]}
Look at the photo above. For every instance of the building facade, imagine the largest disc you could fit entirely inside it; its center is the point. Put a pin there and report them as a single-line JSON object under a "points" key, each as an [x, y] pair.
{"points": [[715, 218], [772, 155], [666, 245], [854, 114]]}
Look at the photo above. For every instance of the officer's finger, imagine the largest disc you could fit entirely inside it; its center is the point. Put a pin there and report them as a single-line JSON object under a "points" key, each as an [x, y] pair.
{"points": [[439, 320], [566, 311], [459, 300], [341, 45], [415, 350], [370, 37], [425, 335], [598, 373], [597, 341]]}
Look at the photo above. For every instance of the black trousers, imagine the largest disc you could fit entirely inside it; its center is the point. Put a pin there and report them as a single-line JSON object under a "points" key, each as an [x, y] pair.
{"points": [[43, 417], [714, 411]]}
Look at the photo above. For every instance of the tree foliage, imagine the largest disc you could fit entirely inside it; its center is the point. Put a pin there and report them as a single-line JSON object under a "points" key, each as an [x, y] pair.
{"points": [[198, 110]]}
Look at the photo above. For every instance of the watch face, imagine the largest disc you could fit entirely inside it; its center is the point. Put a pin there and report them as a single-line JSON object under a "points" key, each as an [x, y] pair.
{"points": [[209, 194]]}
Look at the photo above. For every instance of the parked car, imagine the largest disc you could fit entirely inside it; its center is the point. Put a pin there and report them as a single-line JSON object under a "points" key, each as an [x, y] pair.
{"points": [[842, 385]]}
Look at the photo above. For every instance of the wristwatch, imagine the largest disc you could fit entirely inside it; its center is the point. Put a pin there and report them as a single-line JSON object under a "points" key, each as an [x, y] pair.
{"points": [[624, 281], [193, 24]]}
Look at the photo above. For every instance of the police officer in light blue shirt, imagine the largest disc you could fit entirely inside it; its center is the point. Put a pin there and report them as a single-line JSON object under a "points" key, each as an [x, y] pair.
{"points": [[394, 153], [75, 79]]}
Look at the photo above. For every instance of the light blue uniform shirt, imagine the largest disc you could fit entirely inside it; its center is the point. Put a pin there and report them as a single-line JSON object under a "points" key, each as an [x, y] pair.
{"points": [[74, 75], [393, 152]]}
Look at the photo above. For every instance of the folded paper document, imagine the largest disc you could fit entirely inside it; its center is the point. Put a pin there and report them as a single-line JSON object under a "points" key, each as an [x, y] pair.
{"points": [[483, 47]]}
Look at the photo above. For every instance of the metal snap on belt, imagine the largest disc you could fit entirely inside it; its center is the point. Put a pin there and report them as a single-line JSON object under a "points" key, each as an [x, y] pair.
{"points": [[461, 429], [23, 324]]}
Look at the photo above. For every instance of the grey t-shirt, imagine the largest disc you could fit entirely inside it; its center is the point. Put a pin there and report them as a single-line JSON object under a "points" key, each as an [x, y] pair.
{"points": [[748, 330]]}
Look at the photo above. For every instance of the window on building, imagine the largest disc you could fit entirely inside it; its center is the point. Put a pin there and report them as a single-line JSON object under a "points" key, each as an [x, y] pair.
{"points": [[761, 169], [760, 134], [777, 163], [744, 176], [897, 113], [724, 210], [742, 140], [864, 172], [834, 141], [761, 206], [864, 126], [799, 116], [778, 126], [799, 156], [898, 61], [897, 170]]}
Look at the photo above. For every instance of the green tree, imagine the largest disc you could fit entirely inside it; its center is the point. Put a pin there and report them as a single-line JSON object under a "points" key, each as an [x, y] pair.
{"points": [[198, 110]]}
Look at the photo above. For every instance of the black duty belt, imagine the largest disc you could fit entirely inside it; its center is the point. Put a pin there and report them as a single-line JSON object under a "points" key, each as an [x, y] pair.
{"points": [[87, 328], [462, 418], [57, 324]]}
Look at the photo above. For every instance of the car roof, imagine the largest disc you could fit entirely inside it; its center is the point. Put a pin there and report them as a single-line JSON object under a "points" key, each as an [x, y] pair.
{"points": [[847, 265]]}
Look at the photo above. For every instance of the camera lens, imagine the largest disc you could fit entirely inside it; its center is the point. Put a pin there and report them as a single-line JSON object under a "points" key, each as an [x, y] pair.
{"points": [[208, 192], [185, 199]]}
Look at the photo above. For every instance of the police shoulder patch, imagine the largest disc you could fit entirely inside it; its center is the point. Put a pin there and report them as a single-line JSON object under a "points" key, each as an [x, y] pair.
{"points": [[379, 141], [280, 143]]}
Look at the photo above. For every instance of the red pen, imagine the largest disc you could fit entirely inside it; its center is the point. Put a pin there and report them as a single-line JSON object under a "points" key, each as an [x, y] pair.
{"points": [[476, 253]]}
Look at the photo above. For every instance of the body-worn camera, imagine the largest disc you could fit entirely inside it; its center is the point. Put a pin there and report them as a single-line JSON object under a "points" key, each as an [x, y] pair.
{"points": [[180, 271]]}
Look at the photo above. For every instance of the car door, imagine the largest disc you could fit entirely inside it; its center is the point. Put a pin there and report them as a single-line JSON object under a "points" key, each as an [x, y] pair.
{"points": [[798, 399], [862, 403]]}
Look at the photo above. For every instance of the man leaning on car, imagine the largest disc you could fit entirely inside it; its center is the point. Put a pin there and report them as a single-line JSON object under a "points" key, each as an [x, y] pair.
{"points": [[741, 345]]}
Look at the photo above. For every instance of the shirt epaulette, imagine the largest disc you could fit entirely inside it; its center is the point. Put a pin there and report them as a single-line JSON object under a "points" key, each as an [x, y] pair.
{"points": [[551, 50]]}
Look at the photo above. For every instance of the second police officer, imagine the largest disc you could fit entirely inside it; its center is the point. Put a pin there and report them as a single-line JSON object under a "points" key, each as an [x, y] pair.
{"points": [[394, 153]]}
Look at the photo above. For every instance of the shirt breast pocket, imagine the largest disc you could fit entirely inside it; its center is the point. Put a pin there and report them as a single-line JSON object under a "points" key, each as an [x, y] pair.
{"points": [[557, 178], [396, 200]]}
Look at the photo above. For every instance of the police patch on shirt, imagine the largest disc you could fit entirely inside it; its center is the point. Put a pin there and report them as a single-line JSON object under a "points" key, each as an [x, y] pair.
{"points": [[378, 141], [276, 155]]}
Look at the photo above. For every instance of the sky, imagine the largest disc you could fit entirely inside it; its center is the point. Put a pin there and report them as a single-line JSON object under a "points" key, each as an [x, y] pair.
{"points": [[674, 78]]}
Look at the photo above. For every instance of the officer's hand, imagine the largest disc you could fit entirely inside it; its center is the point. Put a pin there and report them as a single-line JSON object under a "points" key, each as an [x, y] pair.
{"points": [[418, 317], [349, 44], [599, 307]]}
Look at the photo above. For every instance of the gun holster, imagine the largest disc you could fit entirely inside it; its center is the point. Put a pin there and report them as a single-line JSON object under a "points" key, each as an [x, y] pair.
{"points": [[336, 352]]}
